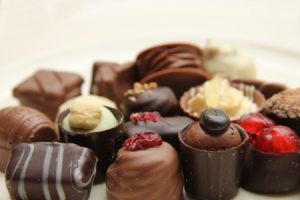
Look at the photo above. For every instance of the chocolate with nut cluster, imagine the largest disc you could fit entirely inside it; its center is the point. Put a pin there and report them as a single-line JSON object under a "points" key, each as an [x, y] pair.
{"points": [[161, 57], [166, 127], [150, 97], [47, 89], [212, 152], [111, 79], [22, 124], [50, 170]]}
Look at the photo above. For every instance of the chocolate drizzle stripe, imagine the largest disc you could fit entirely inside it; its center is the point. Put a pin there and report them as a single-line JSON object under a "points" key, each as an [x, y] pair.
{"points": [[21, 186], [46, 169], [17, 166], [78, 174], [59, 168]]}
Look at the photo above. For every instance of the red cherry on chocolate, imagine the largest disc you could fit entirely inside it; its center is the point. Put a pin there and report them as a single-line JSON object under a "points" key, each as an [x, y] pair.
{"points": [[254, 124], [277, 140], [142, 141], [144, 117]]}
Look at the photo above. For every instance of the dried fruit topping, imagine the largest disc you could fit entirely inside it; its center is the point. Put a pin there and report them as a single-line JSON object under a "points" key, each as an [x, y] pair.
{"points": [[144, 117], [277, 140], [142, 141], [254, 124]]}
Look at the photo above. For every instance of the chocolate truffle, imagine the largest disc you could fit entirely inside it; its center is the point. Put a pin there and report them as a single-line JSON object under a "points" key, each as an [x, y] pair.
{"points": [[168, 56], [211, 153], [145, 168], [111, 80], [226, 60], [46, 170], [150, 97], [213, 132], [46, 90], [23, 124], [166, 127], [284, 108], [90, 124]]}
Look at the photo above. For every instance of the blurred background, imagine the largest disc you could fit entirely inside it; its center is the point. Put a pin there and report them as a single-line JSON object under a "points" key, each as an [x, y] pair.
{"points": [[35, 28]]}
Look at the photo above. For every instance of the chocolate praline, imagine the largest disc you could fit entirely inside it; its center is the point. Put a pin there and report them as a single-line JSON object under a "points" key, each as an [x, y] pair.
{"points": [[212, 168], [166, 127], [104, 143]]}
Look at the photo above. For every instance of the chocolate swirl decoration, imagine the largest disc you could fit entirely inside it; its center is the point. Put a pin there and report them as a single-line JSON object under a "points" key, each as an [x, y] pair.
{"points": [[46, 90], [145, 174], [22, 124], [46, 170], [168, 56]]}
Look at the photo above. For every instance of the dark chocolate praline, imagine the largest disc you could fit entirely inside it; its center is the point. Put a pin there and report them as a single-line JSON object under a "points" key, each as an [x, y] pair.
{"points": [[104, 143]]}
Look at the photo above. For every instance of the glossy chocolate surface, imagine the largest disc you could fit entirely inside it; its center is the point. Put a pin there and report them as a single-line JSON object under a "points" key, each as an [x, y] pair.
{"points": [[212, 175], [145, 174], [45, 170], [161, 99], [270, 173], [166, 127], [46, 90], [104, 143], [111, 80], [168, 56], [23, 124]]}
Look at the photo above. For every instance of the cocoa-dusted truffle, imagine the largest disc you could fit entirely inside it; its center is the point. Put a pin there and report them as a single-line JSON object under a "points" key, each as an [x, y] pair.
{"points": [[213, 132], [212, 152], [145, 168], [150, 97], [166, 127], [22, 124], [284, 108], [167, 56], [47, 89]]}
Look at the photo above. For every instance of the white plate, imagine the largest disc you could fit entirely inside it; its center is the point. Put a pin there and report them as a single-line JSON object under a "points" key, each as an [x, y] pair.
{"points": [[273, 65]]}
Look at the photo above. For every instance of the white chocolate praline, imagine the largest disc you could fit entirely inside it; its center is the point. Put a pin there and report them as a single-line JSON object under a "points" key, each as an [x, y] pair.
{"points": [[101, 100], [226, 60], [218, 93], [88, 115]]}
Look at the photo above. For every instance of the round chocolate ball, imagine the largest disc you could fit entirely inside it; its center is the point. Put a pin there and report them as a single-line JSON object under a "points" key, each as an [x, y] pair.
{"points": [[214, 121]]}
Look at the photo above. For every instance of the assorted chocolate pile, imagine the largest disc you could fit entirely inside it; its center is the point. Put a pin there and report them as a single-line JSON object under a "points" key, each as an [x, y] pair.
{"points": [[179, 118]]}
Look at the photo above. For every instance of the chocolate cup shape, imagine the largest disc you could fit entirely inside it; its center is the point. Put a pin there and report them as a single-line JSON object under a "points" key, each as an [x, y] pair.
{"points": [[212, 175], [258, 98], [104, 143], [270, 173], [178, 79]]}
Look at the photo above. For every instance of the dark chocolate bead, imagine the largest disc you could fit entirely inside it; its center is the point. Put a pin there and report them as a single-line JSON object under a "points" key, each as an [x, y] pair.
{"points": [[214, 121]]}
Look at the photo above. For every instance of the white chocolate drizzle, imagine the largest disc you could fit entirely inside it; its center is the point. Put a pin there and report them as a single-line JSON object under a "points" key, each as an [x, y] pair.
{"points": [[21, 186], [46, 166], [59, 167]]}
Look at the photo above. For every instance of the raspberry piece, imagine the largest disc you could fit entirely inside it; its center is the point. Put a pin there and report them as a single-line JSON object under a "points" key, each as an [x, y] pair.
{"points": [[254, 124], [142, 141], [144, 116], [277, 140]]}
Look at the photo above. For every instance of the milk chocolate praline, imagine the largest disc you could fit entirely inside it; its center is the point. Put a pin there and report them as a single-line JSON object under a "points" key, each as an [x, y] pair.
{"points": [[22, 124], [212, 160], [104, 143]]}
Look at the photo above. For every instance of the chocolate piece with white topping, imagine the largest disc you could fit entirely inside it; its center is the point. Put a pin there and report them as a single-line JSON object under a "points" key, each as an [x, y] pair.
{"points": [[46, 170]]}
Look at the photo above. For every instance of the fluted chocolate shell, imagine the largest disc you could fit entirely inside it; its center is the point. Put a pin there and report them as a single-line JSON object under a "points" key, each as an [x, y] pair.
{"points": [[104, 143], [111, 79], [270, 173], [212, 175], [168, 56], [166, 127], [23, 124], [161, 99], [145, 174], [47, 89], [50, 170], [178, 79]]}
